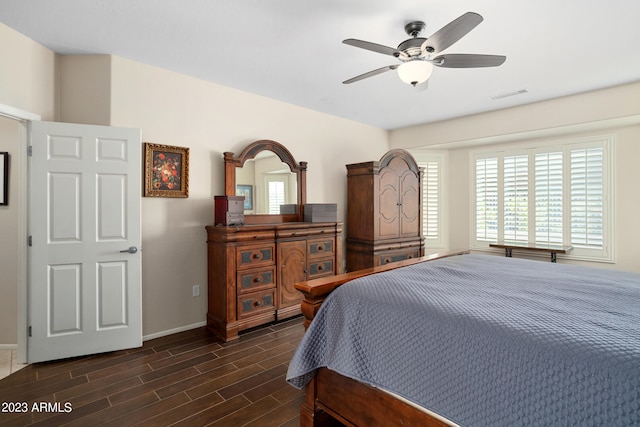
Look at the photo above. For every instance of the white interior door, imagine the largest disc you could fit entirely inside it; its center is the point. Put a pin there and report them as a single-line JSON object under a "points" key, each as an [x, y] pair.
{"points": [[84, 279]]}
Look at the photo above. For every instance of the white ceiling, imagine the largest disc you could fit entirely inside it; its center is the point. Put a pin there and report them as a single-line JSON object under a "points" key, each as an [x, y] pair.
{"points": [[291, 50]]}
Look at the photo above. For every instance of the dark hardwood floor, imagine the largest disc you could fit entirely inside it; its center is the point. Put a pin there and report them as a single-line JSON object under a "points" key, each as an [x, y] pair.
{"points": [[190, 378]]}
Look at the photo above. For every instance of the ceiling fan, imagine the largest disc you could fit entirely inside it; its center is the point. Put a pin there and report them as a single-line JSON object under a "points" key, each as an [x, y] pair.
{"points": [[417, 53]]}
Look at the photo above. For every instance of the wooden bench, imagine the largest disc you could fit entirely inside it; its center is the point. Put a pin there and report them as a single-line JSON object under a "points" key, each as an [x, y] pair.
{"points": [[552, 249]]}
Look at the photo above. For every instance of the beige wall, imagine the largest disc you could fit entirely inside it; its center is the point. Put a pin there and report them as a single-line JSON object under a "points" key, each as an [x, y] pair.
{"points": [[540, 119], [27, 82], [9, 217], [210, 119], [84, 89], [27, 74], [606, 112]]}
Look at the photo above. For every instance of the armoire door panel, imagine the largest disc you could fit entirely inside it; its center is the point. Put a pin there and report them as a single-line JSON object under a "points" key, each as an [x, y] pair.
{"points": [[389, 198], [410, 205]]}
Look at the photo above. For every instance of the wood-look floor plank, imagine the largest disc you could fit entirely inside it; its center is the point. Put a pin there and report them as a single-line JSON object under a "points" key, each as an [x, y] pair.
{"points": [[248, 413], [189, 378], [214, 413], [143, 414]]}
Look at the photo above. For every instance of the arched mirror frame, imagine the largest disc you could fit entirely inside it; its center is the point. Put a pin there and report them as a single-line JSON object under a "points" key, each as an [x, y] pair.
{"points": [[231, 163]]}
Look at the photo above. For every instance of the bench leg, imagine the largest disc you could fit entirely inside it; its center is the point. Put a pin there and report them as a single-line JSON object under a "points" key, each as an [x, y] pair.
{"points": [[553, 257], [507, 252]]}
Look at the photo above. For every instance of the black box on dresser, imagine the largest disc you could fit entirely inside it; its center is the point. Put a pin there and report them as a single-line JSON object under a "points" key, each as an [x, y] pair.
{"points": [[320, 212]]}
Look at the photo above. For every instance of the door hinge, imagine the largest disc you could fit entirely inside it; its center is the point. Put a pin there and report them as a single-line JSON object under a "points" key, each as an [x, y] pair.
{"points": [[29, 331], [30, 150], [30, 241]]}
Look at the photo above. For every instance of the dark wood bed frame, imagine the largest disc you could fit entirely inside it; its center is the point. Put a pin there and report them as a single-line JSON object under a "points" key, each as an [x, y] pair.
{"points": [[331, 397]]}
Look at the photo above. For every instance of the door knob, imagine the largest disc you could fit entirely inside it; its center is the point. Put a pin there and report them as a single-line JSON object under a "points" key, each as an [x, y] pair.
{"points": [[131, 250]]}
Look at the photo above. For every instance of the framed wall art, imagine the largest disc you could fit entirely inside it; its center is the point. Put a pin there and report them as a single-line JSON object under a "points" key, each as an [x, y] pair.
{"points": [[166, 171], [4, 178], [247, 192]]}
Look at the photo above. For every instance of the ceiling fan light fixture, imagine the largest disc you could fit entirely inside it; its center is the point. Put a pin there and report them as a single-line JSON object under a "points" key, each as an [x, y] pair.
{"points": [[415, 72]]}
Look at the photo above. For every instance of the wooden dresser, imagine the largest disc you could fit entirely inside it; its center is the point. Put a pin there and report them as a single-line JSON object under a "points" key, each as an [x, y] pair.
{"points": [[384, 211], [252, 270]]}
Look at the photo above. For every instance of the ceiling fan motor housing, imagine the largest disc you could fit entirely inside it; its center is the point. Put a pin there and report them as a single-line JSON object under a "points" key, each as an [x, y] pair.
{"points": [[412, 47]]}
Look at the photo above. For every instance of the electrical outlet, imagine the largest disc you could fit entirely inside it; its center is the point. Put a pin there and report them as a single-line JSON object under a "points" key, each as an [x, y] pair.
{"points": [[196, 290]]}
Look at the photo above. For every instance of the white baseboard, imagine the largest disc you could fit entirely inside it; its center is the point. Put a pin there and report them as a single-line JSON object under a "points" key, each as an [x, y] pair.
{"points": [[173, 331], [8, 346]]}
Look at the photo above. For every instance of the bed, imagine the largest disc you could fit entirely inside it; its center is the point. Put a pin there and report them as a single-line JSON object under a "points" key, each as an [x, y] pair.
{"points": [[471, 340]]}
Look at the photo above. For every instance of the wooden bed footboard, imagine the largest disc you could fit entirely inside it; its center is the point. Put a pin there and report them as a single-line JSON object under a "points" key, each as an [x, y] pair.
{"points": [[316, 291], [331, 397]]}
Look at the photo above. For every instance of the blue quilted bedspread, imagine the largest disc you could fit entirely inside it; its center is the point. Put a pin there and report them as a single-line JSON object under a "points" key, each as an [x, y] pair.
{"points": [[488, 341]]}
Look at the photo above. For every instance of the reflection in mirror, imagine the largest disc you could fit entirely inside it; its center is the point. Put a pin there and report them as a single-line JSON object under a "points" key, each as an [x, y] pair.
{"points": [[266, 183]]}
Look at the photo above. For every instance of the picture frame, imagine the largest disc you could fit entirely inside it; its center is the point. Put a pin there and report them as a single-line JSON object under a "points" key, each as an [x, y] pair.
{"points": [[166, 170], [4, 178], [247, 192]]}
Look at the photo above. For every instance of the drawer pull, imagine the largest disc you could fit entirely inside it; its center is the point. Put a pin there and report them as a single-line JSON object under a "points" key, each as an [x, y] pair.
{"points": [[257, 303], [387, 260], [257, 255], [257, 279], [320, 248], [410, 256]]}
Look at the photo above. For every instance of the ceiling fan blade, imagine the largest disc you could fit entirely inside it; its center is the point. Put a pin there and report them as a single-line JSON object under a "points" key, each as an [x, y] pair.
{"points": [[370, 74], [451, 33], [374, 47], [468, 60]]}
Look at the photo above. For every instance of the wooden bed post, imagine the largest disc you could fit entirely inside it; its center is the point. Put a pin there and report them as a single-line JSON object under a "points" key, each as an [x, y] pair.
{"points": [[307, 409]]}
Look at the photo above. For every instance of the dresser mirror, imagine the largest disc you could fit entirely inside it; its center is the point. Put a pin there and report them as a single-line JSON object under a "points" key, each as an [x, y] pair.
{"points": [[272, 182]]}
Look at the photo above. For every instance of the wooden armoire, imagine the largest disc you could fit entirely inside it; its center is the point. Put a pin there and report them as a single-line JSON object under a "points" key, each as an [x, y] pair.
{"points": [[252, 267], [384, 211]]}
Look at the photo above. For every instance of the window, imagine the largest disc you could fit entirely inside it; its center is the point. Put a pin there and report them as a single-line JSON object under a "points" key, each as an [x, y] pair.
{"points": [[433, 200], [487, 199], [549, 194]]}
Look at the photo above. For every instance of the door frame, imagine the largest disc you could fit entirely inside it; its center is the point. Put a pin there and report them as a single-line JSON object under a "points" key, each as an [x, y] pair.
{"points": [[24, 117]]}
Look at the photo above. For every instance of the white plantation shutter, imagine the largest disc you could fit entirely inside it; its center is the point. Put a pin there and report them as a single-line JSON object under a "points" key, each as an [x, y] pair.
{"points": [[434, 218], [587, 198], [516, 198], [486, 176], [553, 194], [431, 201], [548, 197]]}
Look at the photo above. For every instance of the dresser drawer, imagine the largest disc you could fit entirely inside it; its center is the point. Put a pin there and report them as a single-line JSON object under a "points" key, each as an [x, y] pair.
{"points": [[255, 256], [386, 258], [256, 303], [319, 268], [248, 235], [254, 280], [319, 248]]}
